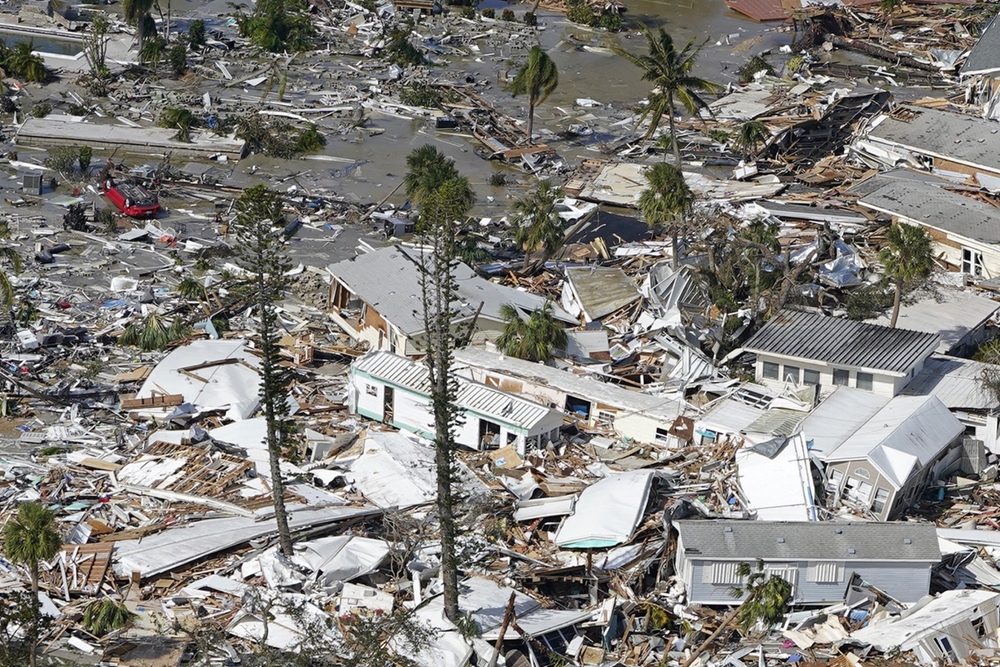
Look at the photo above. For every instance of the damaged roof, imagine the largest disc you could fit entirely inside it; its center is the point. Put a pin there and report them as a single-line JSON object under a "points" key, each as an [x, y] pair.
{"points": [[985, 55], [965, 139], [730, 540], [938, 208], [955, 382], [841, 342], [600, 290]]}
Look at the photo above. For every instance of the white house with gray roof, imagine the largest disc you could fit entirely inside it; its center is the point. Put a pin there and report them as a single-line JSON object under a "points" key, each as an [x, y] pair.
{"points": [[396, 390], [804, 348], [376, 298], [817, 558]]}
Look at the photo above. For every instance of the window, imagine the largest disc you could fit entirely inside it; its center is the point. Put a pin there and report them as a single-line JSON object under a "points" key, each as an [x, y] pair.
{"points": [[972, 262], [825, 573], [881, 498], [946, 648], [865, 381], [862, 473], [724, 574], [606, 418], [858, 491], [979, 625], [791, 374], [662, 435], [841, 377], [810, 377], [371, 390], [835, 478], [770, 370]]}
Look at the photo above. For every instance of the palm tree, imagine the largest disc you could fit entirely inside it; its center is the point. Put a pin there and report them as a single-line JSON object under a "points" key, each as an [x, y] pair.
{"points": [[29, 539], [10, 255], [135, 13], [426, 170], [750, 136], [669, 71], [532, 339], [906, 257], [537, 78], [537, 223], [21, 61], [667, 199]]}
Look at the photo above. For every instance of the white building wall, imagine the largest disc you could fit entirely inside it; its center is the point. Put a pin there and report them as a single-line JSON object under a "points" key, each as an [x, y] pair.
{"points": [[882, 384]]}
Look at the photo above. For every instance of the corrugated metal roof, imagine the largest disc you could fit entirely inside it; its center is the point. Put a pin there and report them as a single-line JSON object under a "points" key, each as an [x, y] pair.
{"points": [[601, 290], [985, 55], [955, 382], [842, 342], [413, 375], [837, 418], [725, 539], [950, 313], [570, 383], [937, 208], [969, 139]]}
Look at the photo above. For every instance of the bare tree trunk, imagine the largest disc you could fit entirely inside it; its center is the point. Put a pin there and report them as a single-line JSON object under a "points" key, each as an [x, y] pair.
{"points": [[673, 129], [897, 299], [726, 623], [674, 245], [507, 616], [274, 436], [531, 120], [35, 615]]}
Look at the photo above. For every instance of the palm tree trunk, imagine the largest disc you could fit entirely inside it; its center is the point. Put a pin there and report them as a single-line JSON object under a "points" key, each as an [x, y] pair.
{"points": [[674, 246], [142, 34], [896, 301], [673, 128], [531, 119], [527, 258], [35, 614]]}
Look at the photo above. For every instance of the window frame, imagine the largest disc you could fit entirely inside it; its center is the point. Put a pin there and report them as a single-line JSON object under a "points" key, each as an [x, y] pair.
{"points": [[768, 365], [785, 373], [806, 372], [843, 374], [870, 381]]}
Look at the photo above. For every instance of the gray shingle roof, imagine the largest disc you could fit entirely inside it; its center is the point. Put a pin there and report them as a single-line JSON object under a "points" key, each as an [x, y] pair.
{"points": [[390, 283], [967, 139], [721, 539], [938, 208], [985, 55], [841, 342]]}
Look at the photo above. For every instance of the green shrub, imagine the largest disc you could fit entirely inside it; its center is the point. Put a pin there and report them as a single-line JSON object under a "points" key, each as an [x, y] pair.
{"points": [[196, 34], [751, 67], [507, 15], [489, 13], [467, 12], [41, 109], [421, 95], [580, 13], [177, 57], [309, 140], [85, 155], [530, 19], [611, 21]]}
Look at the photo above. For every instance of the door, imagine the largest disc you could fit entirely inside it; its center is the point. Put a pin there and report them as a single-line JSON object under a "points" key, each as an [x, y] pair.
{"points": [[388, 401]]}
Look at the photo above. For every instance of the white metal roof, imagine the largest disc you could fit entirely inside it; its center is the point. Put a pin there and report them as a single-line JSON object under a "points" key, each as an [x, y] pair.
{"points": [[793, 499], [905, 434], [836, 419], [488, 401], [955, 382], [949, 313]]}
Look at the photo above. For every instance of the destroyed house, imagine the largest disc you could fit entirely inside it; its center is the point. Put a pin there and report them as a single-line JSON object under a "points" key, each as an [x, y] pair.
{"points": [[931, 139], [879, 455], [396, 390], [816, 558], [598, 405], [802, 348], [946, 629], [375, 297]]}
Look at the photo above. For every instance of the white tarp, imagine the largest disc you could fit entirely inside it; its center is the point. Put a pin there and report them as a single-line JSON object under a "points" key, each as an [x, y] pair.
{"points": [[608, 511]]}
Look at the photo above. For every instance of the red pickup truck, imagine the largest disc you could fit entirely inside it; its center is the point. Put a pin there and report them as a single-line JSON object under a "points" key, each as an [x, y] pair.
{"points": [[132, 200]]}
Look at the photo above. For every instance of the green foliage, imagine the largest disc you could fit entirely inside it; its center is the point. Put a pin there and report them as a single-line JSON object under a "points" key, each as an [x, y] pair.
{"points": [[427, 169], [63, 159], [489, 13], [906, 258], [467, 626], [794, 64], [537, 223], [748, 70], [85, 155], [41, 109], [26, 313], [152, 51], [402, 52], [201, 265], [498, 179], [867, 302], [106, 220], [30, 537], [196, 34], [718, 134], [667, 196], [178, 119], [95, 48], [75, 218], [18, 610], [611, 21], [21, 63], [530, 19], [507, 15], [177, 57], [136, 13], [989, 374], [989, 352], [151, 333], [102, 616], [580, 13], [532, 339], [767, 597], [278, 26], [259, 202], [669, 71], [273, 138], [537, 78], [751, 135], [191, 288], [467, 12], [419, 94], [309, 140]]}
